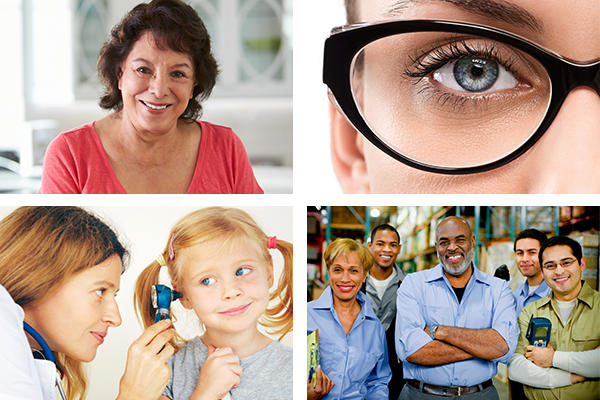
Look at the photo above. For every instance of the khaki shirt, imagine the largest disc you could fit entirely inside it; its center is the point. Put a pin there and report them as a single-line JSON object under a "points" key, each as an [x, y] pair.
{"points": [[580, 332]]}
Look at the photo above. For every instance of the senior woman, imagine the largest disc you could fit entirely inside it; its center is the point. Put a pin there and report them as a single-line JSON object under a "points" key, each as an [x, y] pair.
{"points": [[157, 68], [60, 270], [351, 337]]}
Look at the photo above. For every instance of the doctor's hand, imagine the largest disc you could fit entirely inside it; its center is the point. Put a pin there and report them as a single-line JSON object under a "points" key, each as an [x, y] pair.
{"points": [[147, 372], [220, 373], [322, 388], [541, 356]]}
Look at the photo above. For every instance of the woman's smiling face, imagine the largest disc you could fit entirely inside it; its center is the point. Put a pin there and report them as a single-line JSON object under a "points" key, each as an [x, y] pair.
{"points": [[156, 85]]}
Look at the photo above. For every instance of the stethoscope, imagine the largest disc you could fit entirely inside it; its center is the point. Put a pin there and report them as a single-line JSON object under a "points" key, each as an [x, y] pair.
{"points": [[47, 354]]}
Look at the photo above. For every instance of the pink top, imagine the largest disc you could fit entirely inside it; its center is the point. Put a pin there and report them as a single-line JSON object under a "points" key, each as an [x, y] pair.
{"points": [[75, 162]]}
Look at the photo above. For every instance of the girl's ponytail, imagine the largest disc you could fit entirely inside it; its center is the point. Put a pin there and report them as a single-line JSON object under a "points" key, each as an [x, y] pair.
{"points": [[143, 289], [282, 313]]}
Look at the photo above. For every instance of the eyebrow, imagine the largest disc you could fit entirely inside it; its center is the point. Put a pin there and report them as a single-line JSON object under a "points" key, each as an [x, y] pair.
{"points": [[498, 10], [104, 282], [180, 65]]}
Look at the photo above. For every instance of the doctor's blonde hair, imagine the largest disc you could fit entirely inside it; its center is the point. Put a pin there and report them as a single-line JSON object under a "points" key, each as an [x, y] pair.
{"points": [[212, 223], [41, 248]]}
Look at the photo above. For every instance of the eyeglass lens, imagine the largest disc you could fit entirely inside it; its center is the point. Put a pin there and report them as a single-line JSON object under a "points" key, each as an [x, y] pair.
{"points": [[447, 99]]}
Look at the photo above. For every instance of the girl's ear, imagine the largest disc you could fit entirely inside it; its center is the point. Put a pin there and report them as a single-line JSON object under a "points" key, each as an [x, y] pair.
{"points": [[184, 300]]}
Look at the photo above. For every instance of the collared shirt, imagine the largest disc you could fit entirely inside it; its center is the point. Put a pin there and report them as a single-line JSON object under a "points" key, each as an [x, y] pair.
{"points": [[357, 363], [523, 297], [579, 333], [385, 308], [426, 298]]}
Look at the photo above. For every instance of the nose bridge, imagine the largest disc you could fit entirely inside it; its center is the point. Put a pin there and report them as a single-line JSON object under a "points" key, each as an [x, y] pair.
{"points": [[159, 83], [112, 315], [231, 288]]}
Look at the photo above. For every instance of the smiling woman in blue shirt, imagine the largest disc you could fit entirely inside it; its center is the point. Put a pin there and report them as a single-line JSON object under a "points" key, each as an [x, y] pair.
{"points": [[351, 338], [454, 323]]}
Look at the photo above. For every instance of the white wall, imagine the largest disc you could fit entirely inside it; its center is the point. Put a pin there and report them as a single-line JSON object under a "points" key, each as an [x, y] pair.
{"points": [[145, 230], [313, 20]]}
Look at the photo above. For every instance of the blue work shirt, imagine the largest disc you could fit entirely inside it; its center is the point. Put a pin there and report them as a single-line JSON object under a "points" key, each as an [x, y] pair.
{"points": [[523, 297], [426, 298], [357, 363]]}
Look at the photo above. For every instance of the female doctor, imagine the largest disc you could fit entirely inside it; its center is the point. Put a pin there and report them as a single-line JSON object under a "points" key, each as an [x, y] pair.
{"points": [[60, 270]]}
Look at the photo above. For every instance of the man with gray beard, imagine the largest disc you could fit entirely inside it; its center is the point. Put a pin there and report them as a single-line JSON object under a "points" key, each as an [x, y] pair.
{"points": [[454, 323]]}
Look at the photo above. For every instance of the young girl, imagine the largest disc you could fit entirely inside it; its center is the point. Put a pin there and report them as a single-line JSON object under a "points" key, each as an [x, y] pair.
{"points": [[219, 259]]}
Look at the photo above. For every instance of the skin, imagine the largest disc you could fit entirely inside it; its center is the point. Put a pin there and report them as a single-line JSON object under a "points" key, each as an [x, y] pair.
{"points": [[528, 261], [570, 31], [140, 142], [452, 344], [385, 248], [85, 306], [322, 388], [228, 292]]}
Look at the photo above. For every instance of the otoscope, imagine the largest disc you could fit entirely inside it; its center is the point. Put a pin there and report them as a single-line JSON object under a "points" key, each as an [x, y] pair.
{"points": [[162, 296]]}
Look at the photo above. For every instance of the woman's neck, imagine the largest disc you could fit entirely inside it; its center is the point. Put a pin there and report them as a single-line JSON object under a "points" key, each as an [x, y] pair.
{"points": [[243, 344]]}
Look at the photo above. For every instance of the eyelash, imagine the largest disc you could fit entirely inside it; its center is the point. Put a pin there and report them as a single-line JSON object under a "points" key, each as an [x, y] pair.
{"points": [[445, 53]]}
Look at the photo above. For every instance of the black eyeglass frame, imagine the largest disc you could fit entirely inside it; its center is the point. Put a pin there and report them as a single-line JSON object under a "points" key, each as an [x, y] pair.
{"points": [[346, 41]]}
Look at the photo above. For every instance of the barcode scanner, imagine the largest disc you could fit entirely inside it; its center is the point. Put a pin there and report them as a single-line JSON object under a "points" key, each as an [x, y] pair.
{"points": [[162, 296]]}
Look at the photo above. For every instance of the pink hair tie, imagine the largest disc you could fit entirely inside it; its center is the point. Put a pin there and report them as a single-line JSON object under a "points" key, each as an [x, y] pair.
{"points": [[272, 243], [171, 252]]}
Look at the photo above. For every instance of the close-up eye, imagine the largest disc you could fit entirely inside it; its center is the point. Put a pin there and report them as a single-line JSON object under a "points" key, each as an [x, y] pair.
{"points": [[100, 292], [242, 271], [475, 75], [143, 70], [178, 74], [208, 281]]}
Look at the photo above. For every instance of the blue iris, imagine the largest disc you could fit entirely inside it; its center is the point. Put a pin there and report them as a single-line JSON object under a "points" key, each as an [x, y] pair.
{"points": [[475, 74]]}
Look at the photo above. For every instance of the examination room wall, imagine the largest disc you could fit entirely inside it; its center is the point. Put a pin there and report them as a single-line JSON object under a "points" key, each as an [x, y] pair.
{"points": [[145, 231]]}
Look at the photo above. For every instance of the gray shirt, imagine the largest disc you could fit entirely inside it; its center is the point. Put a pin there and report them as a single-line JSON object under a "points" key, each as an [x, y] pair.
{"points": [[385, 308], [266, 374]]}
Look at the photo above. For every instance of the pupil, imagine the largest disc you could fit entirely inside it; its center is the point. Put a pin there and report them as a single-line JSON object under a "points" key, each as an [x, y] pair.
{"points": [[476, 74]]}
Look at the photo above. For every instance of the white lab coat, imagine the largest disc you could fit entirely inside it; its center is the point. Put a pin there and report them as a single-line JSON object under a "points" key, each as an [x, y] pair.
{"points": [[21, 376]]}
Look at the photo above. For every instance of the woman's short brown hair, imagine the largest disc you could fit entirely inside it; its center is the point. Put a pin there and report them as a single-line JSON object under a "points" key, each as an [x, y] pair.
{"points": [[175, 26], [343, 247]]}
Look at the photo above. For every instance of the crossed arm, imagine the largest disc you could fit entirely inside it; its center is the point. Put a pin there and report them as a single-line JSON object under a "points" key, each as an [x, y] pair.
{"points": [[454, 344]]}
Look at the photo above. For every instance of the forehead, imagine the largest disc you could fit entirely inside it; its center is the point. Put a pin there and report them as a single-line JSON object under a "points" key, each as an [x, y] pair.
{"points": [[453, 228], [527, 244], [350, 259], [147, 48], [557, 253], [385, 235]]}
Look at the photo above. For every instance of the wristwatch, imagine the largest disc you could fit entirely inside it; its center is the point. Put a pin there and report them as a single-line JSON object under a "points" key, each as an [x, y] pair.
{"points": [[432, 330]]}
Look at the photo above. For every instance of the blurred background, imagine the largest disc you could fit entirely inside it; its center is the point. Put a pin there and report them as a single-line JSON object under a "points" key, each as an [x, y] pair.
{"points": [[50, 83], [494, 228]]}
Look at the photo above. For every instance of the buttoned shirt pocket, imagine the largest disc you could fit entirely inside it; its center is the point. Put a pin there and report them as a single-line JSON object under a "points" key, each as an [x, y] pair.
{"points": [[436, 315], [587, 338], [361, 364], [478, 319]]}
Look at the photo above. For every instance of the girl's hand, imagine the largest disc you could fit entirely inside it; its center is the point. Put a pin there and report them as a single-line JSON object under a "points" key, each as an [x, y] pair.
{"points": [[147, 372], [219, 374]]}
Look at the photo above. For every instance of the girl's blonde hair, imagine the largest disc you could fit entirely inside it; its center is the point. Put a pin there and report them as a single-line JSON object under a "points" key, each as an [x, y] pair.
{"points": [[41, 248], [212, 223]]}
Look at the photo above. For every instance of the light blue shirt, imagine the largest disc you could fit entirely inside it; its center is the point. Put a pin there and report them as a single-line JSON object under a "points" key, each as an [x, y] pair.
{"points": [[523, 297], [426, 298], [357, 363]]}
